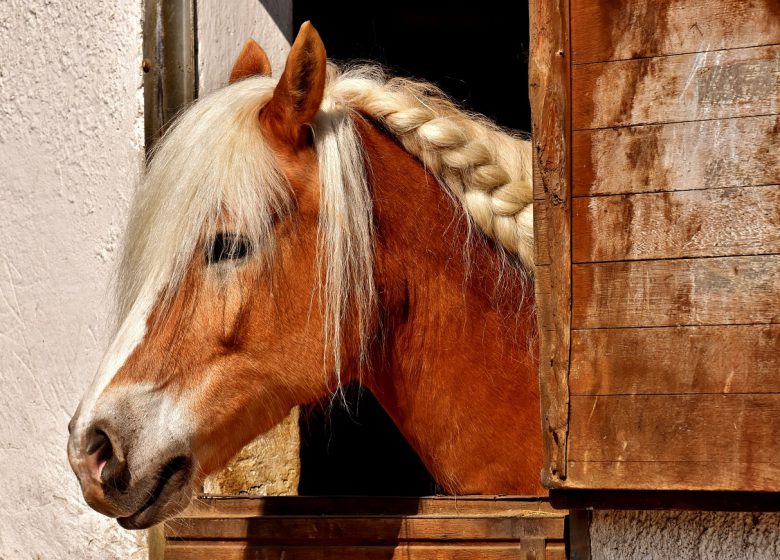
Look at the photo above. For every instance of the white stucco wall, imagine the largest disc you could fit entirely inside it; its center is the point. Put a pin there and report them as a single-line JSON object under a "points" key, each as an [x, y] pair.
{"points": [[224, 27], [71, 142]]}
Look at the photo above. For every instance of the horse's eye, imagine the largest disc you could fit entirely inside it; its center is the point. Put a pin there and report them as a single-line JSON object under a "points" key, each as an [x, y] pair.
{"points": [[227, 246]]}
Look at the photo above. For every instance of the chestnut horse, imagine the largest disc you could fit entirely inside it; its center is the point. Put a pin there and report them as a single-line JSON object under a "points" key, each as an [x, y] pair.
{"points": [[293, 235]]}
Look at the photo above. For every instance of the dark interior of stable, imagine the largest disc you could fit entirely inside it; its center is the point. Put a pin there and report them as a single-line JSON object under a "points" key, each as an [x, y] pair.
{"points": [[477, 52]]}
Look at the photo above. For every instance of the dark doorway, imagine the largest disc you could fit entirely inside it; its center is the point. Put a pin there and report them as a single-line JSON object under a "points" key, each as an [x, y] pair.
{"points": [[477, 52]]}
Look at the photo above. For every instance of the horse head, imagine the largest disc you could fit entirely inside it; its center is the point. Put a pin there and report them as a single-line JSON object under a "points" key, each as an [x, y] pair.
{"points": [[261, 271], [222, 331]]}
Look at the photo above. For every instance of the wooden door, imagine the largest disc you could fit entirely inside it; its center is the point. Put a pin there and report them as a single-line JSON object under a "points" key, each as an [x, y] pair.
{"points": [[657, 177]]}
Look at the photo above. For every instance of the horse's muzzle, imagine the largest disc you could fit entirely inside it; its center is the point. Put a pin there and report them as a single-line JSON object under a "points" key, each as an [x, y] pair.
{"points": [[123, 474]]}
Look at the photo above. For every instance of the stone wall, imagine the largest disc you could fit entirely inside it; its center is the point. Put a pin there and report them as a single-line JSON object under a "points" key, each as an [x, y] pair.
{"points": [[684, 535]]}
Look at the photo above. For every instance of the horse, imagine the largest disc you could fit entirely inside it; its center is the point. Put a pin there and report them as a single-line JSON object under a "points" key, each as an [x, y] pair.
{"points": [[296, 234]]}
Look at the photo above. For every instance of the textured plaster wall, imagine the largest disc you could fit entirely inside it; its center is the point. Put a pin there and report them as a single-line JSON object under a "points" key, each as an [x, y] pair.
{"points": [[224, 27], [71, 135], [684, 535], [270, 465]]}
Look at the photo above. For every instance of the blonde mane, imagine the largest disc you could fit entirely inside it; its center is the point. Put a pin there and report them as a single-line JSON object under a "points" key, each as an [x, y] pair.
{"points": [[214, 161]]}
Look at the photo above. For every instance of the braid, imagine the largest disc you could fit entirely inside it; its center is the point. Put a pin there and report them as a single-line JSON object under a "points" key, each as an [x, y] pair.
{"points": [[486, 168]]}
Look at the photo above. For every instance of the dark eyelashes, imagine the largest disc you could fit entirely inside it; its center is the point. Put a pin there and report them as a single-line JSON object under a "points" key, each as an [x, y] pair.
{"points": [[227, 246]]}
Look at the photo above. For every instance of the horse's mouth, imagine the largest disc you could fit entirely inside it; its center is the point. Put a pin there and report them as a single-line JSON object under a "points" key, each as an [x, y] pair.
{"points": [[174, 480]]}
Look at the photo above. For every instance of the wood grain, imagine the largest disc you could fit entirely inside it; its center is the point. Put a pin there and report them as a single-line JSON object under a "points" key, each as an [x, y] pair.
{"points": [[644, 28], [678, 156], [314, 506], [676, 428], [715, 222], [336, 528], [690, 87], [674, 360], [675, 475], [189, 550], [716, 291], [355, 530], [549, 70]]}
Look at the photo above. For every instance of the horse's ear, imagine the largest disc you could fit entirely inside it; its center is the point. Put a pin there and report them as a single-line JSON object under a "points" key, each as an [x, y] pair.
{"points": [[301, 87], [252, 61]]}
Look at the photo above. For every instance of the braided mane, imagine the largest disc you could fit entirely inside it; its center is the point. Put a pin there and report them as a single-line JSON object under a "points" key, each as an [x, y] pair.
{"points": [[486, 168]]}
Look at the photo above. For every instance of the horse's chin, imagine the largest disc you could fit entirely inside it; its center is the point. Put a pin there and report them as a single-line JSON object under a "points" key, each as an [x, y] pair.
{"points": [[172, 493]]}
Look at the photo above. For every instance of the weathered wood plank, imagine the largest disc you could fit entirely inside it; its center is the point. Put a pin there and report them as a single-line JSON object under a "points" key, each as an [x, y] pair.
{"points": [[673, 360], [549, 70], [677, 156], [713, 85], [291, 530], [253, 506], [555, 551], [714, 222], [718, 429], [188, 550], [675, 475], [541, 238], [716, 291], [603, 30], [338, 528]]}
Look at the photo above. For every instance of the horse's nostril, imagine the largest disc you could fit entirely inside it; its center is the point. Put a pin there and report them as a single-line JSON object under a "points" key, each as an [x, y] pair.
{"points": [[107, 459], [97, 441]]}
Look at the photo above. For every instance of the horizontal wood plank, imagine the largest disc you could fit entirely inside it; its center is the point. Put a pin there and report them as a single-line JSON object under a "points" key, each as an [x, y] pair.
{"points": [[234, 551], [304, 528], [644, 28], [691, 87], [715, 291], [675, 475], [673, 360], [713, 222], [718, 429], [356, 530], [210, 506], [677, 156]]}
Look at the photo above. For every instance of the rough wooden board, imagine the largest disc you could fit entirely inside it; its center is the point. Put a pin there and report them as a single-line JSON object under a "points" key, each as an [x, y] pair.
{"points": [[555, 551], [375, 527], [714, 291], [355, 530], [233, 551], [690, 87], [675, 475], [541, 239], [549, 68], [253, 506], [678, 156], [604, 30], [668, 360], [577, 499], [736, 428], [713, 222]]}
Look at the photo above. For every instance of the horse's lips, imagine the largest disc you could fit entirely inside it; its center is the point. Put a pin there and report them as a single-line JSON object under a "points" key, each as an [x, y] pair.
{"points": [[151, 512]]}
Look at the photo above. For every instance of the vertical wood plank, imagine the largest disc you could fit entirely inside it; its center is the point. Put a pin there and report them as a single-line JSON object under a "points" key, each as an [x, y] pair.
{"points": [[549, 68]]}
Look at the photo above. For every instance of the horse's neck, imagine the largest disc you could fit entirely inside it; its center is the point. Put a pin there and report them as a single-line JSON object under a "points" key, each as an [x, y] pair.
{"points": [[458, 373]]}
